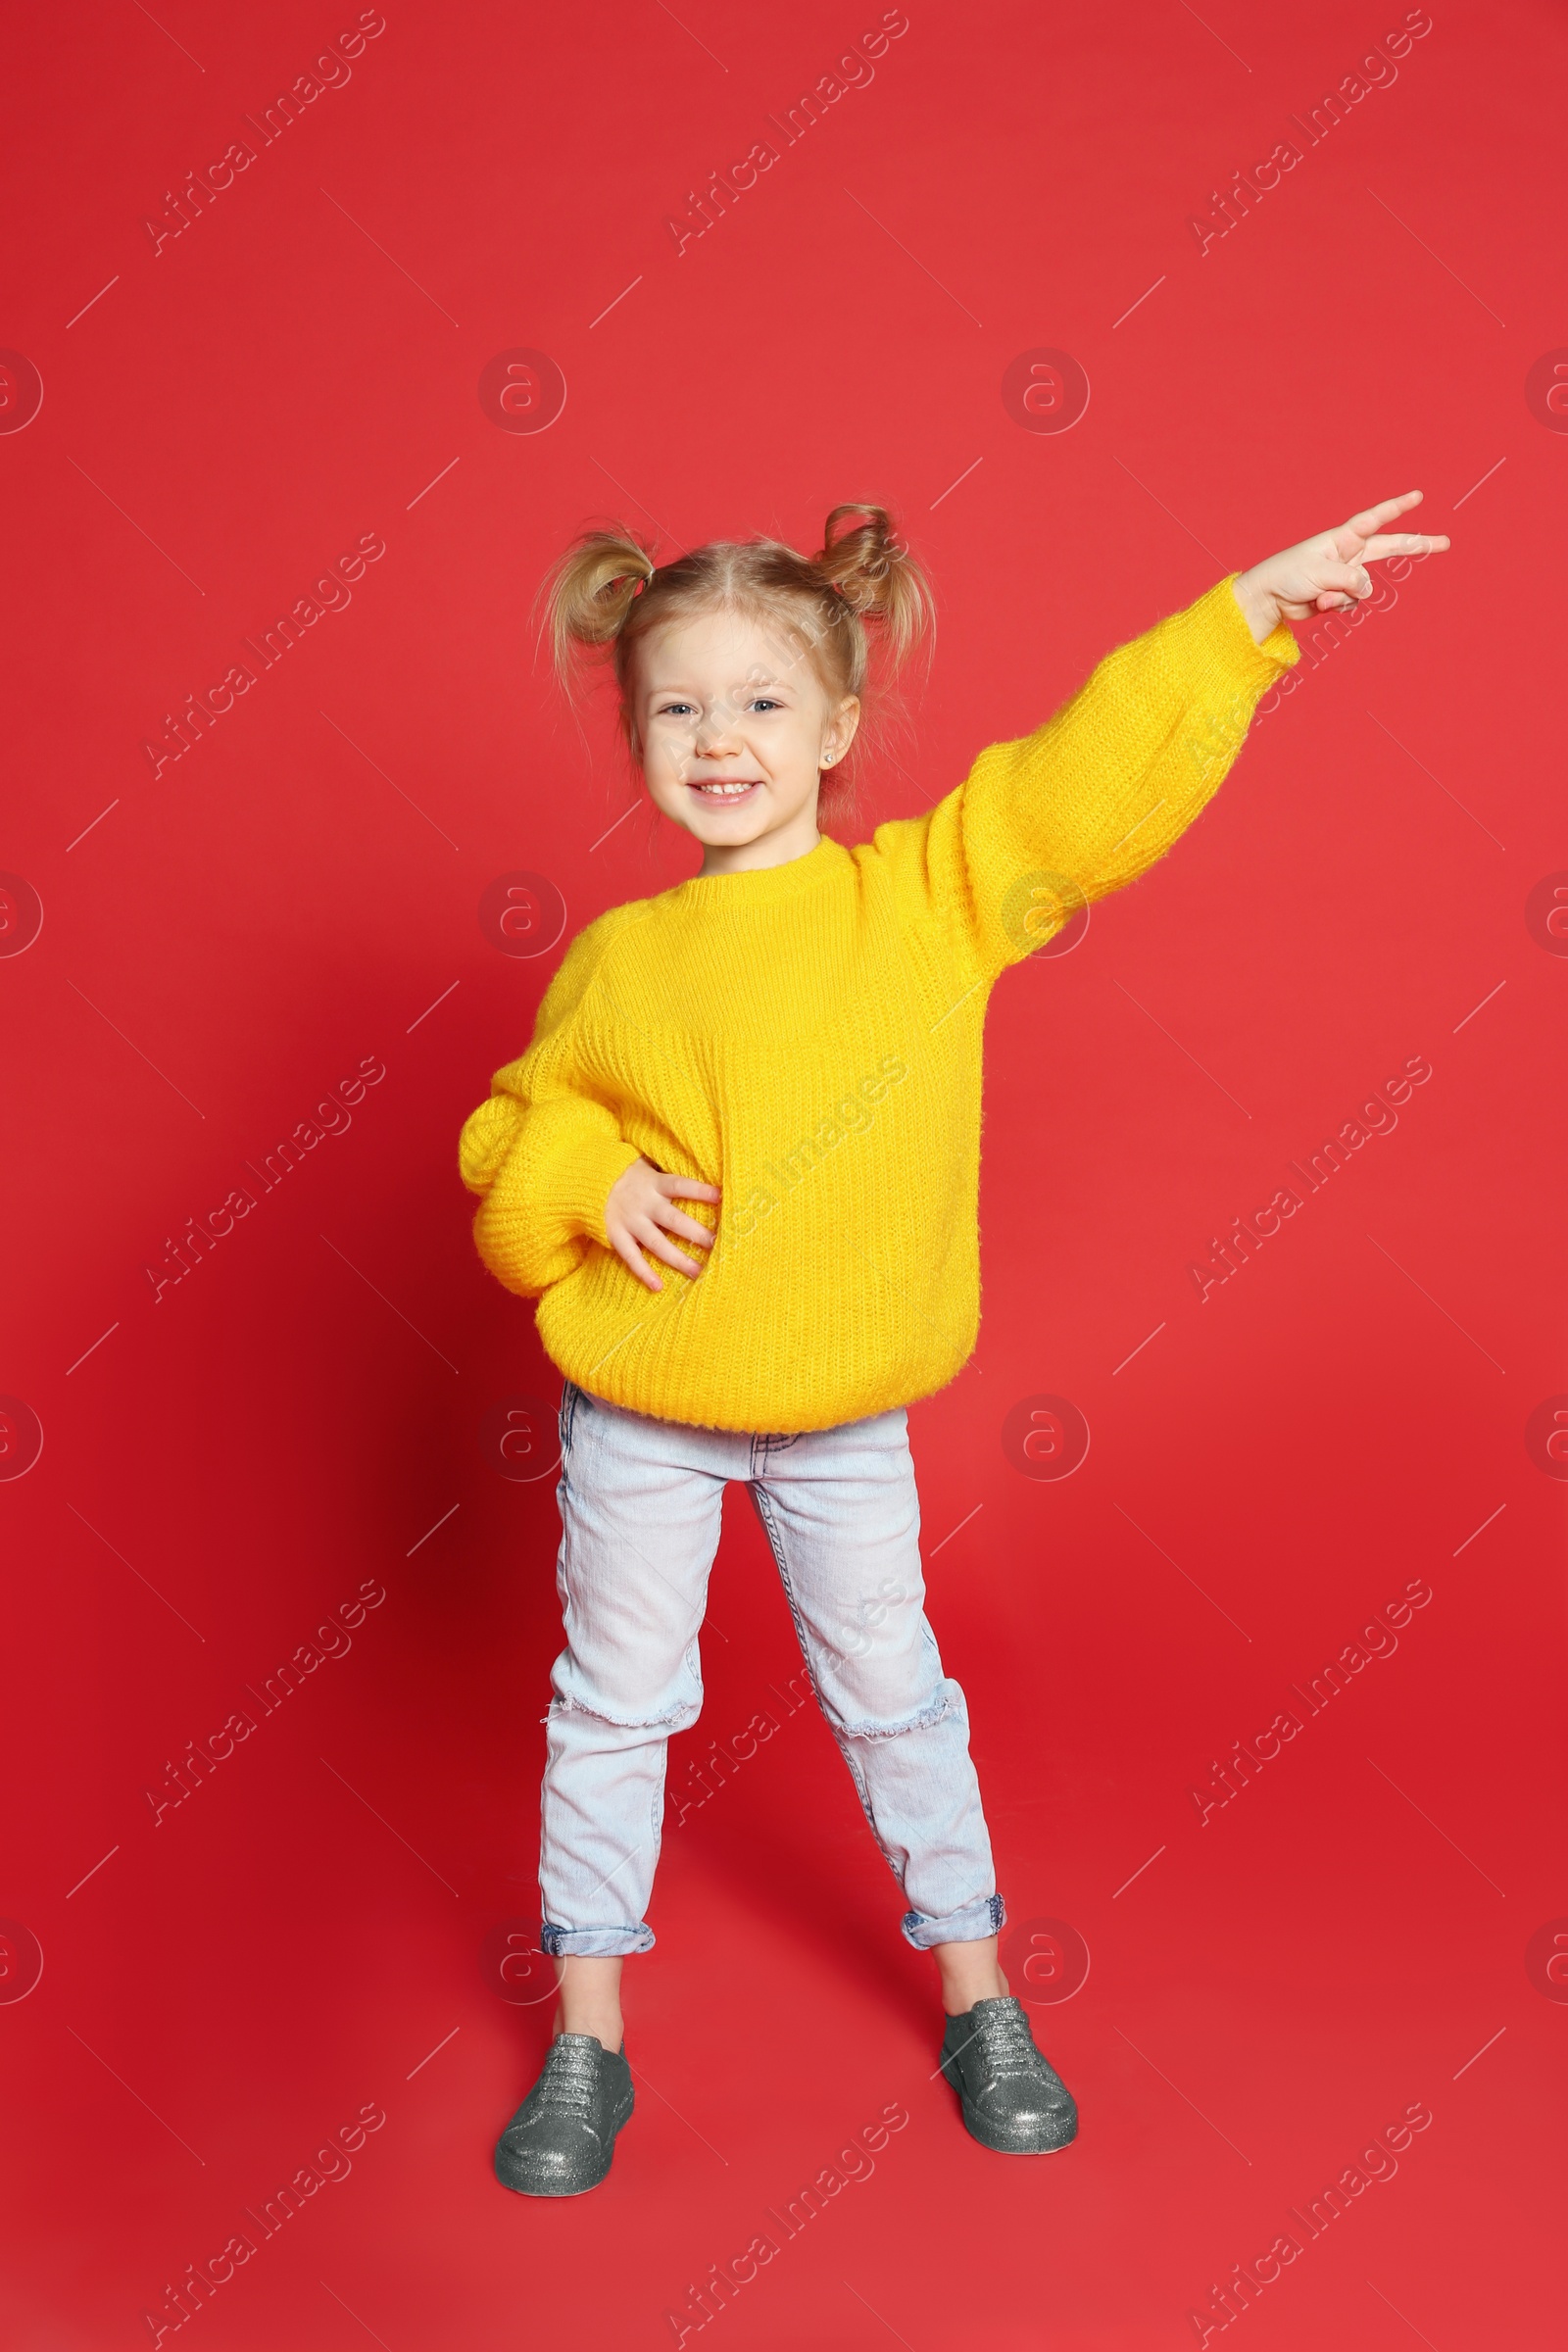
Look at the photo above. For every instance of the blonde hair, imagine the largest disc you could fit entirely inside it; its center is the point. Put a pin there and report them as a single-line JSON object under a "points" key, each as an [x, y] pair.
{"points": [[606, 593]]}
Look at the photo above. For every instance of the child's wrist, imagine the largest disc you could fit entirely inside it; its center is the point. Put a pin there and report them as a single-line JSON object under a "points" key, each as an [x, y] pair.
{"points": [[1259, 608]]}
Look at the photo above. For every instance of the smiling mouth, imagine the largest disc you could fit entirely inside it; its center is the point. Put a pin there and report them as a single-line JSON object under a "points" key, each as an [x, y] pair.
{"points": [[723, 788]]}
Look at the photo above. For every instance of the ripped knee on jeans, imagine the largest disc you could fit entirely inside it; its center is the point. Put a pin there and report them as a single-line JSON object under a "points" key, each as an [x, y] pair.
{"points": [[679, 1718], [877, 1727]]}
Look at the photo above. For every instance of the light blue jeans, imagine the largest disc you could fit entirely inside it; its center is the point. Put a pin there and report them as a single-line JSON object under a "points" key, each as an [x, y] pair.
{"points": [[640, 1503]]}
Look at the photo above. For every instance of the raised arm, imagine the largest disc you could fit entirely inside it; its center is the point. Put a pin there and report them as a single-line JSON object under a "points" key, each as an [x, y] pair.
{"points": [[1093, 798], [1090, 800]]}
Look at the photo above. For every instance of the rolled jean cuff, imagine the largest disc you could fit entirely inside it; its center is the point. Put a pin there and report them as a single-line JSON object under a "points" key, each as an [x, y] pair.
{"points": [[972, 1925], [594, 1943]]}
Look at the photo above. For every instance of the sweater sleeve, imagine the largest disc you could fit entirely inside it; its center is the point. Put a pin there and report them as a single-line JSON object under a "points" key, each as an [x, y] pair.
{"points": [[1090, 800], [545, 1148]]}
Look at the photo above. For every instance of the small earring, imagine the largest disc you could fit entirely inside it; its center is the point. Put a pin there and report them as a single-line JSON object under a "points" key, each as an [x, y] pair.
{"points": [[827, 758]]}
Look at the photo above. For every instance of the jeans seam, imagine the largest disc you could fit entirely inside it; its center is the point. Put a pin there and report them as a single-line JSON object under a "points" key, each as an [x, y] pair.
{"points": [[775, 1546], [852, 1762], [566, 1425]]}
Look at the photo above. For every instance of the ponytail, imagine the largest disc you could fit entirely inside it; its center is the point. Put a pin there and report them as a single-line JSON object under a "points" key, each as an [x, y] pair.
{"points": [[877, 577], [588, 592]]}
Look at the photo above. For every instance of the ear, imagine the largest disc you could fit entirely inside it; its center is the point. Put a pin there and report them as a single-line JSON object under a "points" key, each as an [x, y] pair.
{"points": [[840, 730]]}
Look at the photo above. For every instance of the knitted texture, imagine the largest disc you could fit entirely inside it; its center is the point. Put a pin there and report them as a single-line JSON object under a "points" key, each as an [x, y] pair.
{"points": [[807, 1037]]}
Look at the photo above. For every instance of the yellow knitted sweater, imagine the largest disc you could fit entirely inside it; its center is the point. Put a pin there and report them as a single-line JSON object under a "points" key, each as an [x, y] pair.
{"points": [[807, 1037]]}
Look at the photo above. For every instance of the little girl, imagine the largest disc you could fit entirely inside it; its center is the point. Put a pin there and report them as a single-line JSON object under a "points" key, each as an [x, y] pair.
{"points": [[795, 1034]]}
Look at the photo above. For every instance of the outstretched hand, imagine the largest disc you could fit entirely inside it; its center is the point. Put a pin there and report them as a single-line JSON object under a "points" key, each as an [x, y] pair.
{"points": [[1328, 573]]}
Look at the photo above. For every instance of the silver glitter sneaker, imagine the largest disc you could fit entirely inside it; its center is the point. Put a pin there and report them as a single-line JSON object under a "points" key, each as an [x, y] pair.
{"points": [[561, 2139], [1012, 2100]]}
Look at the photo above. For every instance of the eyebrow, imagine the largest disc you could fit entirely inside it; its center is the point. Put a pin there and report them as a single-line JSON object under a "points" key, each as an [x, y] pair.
{"points": [[747, 686]]}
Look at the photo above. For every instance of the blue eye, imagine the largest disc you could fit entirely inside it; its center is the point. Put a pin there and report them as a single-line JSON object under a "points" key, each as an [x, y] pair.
{"points": [[763, 703]]}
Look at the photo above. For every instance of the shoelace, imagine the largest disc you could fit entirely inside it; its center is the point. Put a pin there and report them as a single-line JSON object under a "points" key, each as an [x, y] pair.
{"points": [[567, 2079], [1002, 2040]]}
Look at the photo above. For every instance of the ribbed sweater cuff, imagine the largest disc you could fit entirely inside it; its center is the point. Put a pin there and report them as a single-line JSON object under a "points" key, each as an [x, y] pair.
{"points": [[1229, 636], [582, 1183]]}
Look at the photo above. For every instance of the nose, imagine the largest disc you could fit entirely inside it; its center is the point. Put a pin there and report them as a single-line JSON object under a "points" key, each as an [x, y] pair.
{"points": [[716, 734], [715, 740]]}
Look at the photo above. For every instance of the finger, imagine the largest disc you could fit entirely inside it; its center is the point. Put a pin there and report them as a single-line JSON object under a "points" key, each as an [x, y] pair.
{"points": [[1372, 518], [1342, 585], [654, 1242], [673, 1221], [686, 1188], [627, 1250], [1401, 543]]}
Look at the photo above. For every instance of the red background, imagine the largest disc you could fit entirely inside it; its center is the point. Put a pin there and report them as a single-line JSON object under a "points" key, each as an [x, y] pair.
{"points": [[224, 1988]]}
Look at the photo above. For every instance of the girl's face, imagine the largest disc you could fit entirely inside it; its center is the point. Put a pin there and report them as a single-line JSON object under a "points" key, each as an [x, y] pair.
{"points": [[735, 729]]}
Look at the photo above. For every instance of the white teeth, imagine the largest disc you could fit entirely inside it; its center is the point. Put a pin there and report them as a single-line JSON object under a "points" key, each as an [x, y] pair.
{"points": [[724, 792]]}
